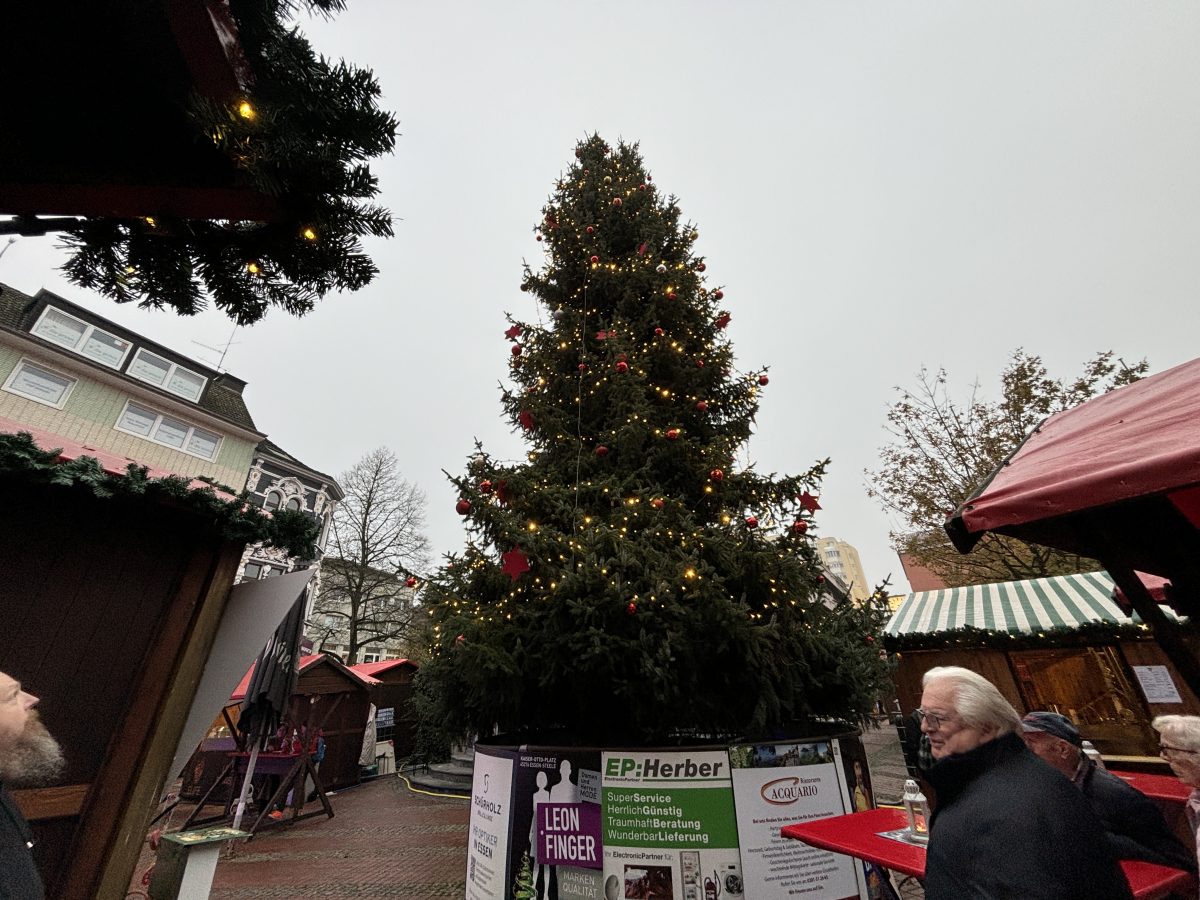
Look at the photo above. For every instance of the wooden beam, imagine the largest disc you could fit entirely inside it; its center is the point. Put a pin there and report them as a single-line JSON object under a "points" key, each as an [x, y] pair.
{"points": [[133, 201], [56, 802]]}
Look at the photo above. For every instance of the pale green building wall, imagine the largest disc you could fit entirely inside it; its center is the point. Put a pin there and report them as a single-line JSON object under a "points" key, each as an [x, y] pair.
{"points": [[89, 417]]}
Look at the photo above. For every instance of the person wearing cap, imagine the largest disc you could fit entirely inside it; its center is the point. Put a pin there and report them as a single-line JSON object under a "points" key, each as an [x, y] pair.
{"points": [[1136, 828], [1005, 824]]}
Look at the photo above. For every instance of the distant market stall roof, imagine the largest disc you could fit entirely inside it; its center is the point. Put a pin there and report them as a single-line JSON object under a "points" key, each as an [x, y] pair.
{"points": [[1017, 607], [239, 692]]}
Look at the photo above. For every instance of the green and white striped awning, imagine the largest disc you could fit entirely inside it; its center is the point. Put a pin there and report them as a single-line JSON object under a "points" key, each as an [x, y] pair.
{"points": [[1015, 606]]}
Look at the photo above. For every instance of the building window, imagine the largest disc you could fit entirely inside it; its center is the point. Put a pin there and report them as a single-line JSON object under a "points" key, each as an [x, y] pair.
{"points": [[168, 431], [57, 327], [252, 572], [294, 504], [149, 367], [274, 498], [370, 657], [40, 385]]}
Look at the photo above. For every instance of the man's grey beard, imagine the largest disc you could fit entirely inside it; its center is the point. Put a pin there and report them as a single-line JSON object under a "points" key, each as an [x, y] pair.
{"points": [[34, 760]]}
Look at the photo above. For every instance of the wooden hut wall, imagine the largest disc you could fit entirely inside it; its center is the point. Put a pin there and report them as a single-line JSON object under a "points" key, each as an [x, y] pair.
{"points": [[395, 692], [342, 702], [1149, 653], [101, 600], [991, 664]]}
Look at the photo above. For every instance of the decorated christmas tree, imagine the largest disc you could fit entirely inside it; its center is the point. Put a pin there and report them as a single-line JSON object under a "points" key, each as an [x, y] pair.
{"points": [[629, 581]]}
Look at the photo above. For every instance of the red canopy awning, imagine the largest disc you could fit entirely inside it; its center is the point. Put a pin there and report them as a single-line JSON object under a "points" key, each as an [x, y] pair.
{"points": [[1136, 441]]}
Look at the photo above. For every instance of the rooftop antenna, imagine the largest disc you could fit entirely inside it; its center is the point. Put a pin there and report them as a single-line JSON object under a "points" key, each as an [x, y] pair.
{"points": [[222, 350]]}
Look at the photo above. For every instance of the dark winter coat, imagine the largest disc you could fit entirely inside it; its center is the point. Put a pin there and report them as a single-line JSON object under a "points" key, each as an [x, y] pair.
{"points": [[1136, 828], [19, 879], [1008, 825]]}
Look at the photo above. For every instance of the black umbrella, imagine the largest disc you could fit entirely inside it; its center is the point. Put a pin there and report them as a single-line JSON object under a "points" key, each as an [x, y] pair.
{"points": [[270, 690], [274, 676]]}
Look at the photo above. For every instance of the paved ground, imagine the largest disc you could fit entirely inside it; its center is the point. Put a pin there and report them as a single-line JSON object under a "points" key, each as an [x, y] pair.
{"points": [[387, 842]]}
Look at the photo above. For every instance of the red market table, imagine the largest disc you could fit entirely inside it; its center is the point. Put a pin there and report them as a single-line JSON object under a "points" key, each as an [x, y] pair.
{"points": [[858, 835], [1156, 787]]}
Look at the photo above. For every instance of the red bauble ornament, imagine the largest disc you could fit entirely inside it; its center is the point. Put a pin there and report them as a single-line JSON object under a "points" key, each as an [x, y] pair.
{"points": [[582, 367], [602, 450], [672, 434], [700, 267], [617, 201], [763, 380], [622, 367], [460, 640], [718, 295], [820, 579], [641, 187], [524, 285], [590, 230], [516, 349], [410, 582], [658, 332], [699, 364], [485, 487], [537, 237], [462, 507], [701, 406], [751, 521], [670, 295], [716, 475], [631, 608], [657, 502], [869, 639], [800, 526], [595, 260]]}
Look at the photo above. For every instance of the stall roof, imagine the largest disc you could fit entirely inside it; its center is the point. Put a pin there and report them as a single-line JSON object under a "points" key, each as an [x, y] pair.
{"points": [[1013, 606], [1136, 441], [374, 668], [239, 692]]}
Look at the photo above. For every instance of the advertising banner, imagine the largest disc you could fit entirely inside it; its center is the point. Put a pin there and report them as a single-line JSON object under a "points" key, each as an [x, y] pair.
{"points": [[781, 784], [491, 819], [668, 826], [556, 799]]}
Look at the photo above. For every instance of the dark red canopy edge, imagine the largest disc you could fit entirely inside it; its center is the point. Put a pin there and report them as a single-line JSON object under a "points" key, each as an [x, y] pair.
{"points": [[1139, 440]]}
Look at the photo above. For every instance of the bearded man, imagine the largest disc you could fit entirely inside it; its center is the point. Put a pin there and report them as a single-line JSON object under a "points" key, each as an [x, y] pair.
{"points": [[29, 757]]}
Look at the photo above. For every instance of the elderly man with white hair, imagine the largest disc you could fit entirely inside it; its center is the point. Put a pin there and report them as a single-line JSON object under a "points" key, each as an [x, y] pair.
{"points": [[28, 756], [1005, 824]]}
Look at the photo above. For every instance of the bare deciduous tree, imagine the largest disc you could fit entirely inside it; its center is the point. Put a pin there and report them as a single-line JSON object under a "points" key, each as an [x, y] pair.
{"points": [[941, 451], [376, 543]]}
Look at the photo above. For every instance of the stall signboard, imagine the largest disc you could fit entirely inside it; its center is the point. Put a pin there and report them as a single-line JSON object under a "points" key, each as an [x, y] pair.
{"points": [[780, 784], [668, 826], [556, 840], [490, 824]]}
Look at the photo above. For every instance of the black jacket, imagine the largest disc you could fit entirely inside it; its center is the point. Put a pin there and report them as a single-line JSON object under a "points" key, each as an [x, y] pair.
{"points": [[1136, 828], [1009, 826], [19, 879]]}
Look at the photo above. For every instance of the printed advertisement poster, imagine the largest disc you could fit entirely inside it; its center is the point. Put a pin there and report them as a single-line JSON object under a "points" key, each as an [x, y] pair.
{"points": [[669, 826], [856, 776], [562, 785], [491, 817], [780, 784]]}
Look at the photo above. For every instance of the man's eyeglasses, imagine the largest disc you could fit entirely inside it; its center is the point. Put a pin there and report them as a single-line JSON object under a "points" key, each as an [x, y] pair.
{"points": [[935, 720], [1167, 750]]}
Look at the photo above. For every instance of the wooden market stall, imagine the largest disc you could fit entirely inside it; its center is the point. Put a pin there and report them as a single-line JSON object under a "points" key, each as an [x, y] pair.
{"points": [[1060, 644], [392, 696]]}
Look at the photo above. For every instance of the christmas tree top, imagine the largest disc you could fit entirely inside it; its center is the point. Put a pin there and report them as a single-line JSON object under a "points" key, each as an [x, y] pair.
{"points": [[629, 582]]}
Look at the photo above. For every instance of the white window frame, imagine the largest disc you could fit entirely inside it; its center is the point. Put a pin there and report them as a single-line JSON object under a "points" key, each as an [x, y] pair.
{"points": [[88, 331], [187, 438], [33, 364], [172, 368]]}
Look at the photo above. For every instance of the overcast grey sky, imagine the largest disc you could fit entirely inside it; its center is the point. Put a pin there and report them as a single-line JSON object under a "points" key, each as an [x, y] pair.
{"points": [[877, 186]]}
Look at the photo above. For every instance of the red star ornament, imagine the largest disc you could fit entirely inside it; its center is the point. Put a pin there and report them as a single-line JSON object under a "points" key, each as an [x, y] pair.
{"points": [[602, 335], [514, 332], [515, 563], [642, 248], [525, 417], [809, 502], [502, 491]]}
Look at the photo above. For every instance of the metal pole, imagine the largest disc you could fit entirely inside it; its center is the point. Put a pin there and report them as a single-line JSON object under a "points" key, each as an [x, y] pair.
{"points": [[241, 806]]}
